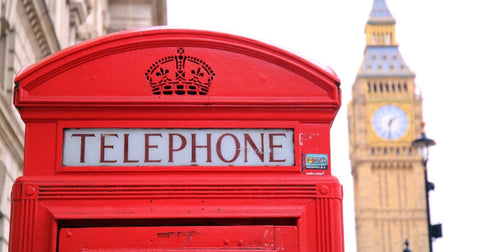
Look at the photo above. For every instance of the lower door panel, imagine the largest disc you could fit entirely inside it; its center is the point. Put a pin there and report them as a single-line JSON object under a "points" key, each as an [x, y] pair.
{"points": [[179, 238]]}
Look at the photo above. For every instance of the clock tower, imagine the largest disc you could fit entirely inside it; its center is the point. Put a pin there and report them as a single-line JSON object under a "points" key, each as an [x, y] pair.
{"points": [[385, 116]]}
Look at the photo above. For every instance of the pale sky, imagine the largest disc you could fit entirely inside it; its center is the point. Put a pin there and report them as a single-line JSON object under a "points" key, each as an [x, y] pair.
{"points": [[438, 39]]}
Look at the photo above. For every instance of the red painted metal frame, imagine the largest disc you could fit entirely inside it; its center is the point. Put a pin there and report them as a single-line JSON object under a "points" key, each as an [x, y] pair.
{"points": [[101, 84], [315, 204]]}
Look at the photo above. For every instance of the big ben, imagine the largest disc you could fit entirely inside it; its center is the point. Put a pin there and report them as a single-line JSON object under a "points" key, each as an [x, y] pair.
{"points": [[385, 116]]}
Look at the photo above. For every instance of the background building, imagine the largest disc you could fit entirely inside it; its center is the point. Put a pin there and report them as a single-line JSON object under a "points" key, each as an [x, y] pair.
{"points": [[385, 116], [33, 29]]}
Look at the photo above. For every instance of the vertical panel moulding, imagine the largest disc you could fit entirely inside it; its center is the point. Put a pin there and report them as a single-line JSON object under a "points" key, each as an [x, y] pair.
{"points": [[389, 241], [386, 183], [324, 224], [380, 188], [400, 189], [24, 220], [384, 238], [404, 229], [405, 187], [29, 211], [328, 223], [320, 228], [409, 232]]}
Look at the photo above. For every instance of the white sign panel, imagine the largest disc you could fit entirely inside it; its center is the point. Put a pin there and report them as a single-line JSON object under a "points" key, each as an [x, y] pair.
{"points": [[178, 147]]}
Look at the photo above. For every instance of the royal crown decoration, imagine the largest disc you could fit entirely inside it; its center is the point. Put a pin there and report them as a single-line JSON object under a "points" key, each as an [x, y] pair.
{"points": [[180, 75]]}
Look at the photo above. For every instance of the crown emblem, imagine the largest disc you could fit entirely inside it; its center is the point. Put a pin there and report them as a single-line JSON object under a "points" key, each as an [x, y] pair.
{"points": [[179, 75]]}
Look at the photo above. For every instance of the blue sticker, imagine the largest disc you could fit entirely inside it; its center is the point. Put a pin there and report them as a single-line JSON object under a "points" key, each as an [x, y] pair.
{"points": [[316, 161]]}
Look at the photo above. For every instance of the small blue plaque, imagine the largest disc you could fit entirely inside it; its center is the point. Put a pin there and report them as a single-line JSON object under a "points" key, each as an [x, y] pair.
{"points": [[316, 161]]}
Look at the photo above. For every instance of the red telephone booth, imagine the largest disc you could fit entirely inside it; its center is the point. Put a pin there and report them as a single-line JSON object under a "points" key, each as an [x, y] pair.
{"points": [[174, 140]]}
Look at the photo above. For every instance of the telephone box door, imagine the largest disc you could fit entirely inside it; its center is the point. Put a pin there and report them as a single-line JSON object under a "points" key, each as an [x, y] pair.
{"points": [[179, 238]]}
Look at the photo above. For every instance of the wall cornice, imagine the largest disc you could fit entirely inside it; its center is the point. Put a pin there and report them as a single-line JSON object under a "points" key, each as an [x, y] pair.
{"points": [[42, 26]]}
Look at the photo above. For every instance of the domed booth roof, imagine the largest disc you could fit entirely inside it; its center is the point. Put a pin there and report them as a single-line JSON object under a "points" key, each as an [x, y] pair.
{"points": [[160, 68]]}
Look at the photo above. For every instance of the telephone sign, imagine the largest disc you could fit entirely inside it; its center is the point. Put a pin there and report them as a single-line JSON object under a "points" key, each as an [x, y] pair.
{"points": [[178, 147]]}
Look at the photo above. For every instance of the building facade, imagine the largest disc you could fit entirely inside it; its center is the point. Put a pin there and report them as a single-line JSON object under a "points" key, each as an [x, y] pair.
{"points": [[385, 116], [33, 29]]}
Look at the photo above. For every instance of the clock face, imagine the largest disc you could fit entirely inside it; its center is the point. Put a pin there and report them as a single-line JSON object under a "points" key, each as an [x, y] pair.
{"points": [[390, 122]]}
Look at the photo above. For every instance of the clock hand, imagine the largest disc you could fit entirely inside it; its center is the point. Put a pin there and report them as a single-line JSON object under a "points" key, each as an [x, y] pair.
{"points": [[390, 122]]}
